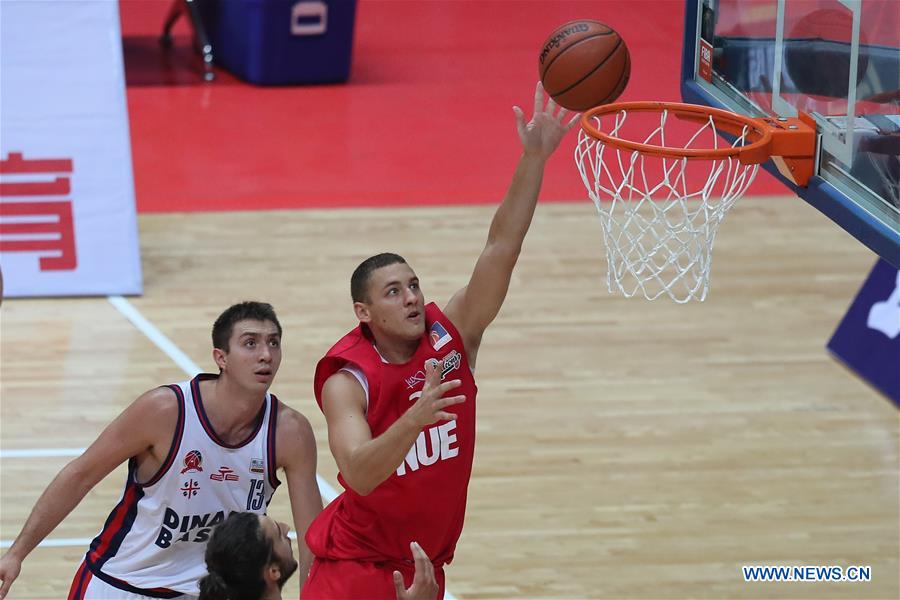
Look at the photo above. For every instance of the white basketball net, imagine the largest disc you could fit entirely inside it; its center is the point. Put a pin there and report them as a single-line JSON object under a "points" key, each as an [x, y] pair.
{"points": [[659, 225]]}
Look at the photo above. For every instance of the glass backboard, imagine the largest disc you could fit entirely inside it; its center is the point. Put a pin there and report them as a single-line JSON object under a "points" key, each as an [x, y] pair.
{"points": [[836, 60]]}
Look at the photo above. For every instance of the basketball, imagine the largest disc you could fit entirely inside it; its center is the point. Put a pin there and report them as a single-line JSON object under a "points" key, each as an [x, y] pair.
{"points": [[584, 64]]}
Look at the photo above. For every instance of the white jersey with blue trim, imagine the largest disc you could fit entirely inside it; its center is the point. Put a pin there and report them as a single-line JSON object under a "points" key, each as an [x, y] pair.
{"points": [[154, 539]]}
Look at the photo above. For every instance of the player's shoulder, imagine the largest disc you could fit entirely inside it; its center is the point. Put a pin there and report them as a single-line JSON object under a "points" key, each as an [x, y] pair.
{"points": [[295, 441], [162, 401], [342, 381], [343, 390], [471, 337], [291, 421], [155, 413], [453, 311]]}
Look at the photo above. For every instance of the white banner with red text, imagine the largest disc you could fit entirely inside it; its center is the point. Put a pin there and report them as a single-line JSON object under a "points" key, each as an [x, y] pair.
{"points": [[67, 212]]}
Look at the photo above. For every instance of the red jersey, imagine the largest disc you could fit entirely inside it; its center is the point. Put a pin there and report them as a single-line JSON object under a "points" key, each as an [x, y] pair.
{"points": [[424, 500]]}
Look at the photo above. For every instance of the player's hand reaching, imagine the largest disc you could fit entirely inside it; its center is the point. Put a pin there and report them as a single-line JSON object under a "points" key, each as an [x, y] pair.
{"points": [[541, 135], [9, 570], [424, 585], [429, 408]]}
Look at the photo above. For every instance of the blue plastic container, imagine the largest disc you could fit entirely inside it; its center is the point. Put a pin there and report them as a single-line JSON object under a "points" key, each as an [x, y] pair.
{"points": [[282, 42]]}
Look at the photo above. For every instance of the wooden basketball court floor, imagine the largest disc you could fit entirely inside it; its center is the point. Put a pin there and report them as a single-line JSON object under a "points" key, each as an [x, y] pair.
{"points": [[626, 449]]}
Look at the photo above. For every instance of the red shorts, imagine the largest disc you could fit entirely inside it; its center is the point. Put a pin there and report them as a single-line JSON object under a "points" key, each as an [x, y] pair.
{"points": [[331, 579]]}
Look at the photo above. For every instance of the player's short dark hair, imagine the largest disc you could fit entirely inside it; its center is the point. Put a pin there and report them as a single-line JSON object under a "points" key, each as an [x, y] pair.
{"points": [[236, 554], [224, 325], [359, 281]]}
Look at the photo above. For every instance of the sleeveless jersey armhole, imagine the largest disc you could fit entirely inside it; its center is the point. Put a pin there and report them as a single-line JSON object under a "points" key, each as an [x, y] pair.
{"points": [[270, 443], [360, 377], [176, 441]]}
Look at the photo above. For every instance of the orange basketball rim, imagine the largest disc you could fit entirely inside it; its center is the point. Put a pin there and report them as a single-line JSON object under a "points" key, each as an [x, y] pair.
{"points": [[789, 141], [662, 191]]}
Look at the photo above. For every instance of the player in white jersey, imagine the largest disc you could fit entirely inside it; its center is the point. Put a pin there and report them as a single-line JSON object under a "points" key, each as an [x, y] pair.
{"points": [[196, 452]]}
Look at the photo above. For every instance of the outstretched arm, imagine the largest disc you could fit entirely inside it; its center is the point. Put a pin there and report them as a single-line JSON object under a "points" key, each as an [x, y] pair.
{"points": [[474, 307], [149, 420]]}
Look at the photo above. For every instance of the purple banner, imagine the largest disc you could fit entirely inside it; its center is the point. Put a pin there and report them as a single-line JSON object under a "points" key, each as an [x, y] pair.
{"points": [[868, 339]]}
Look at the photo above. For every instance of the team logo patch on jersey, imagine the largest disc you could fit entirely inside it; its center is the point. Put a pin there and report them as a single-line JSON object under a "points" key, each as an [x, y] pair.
{"points": [[439, 336], [257, 465], [451, 363], [224, 474], [190, 489], [193, 461]]}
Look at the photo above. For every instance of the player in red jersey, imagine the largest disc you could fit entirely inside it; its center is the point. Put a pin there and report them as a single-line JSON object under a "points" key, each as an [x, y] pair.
{"points": [[398, 394]]}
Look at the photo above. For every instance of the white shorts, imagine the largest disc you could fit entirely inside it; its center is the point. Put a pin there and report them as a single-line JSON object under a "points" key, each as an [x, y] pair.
{"points": [[87, 586]]}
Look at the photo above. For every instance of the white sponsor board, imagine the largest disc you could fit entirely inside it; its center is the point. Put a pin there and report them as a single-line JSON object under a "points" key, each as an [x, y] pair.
{"points": [[67, 211]]}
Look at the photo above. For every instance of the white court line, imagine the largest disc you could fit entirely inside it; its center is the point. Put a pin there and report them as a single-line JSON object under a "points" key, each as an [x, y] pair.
{"points": [[41, 452], [190, 368], [156, 336], [55, 542]]}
